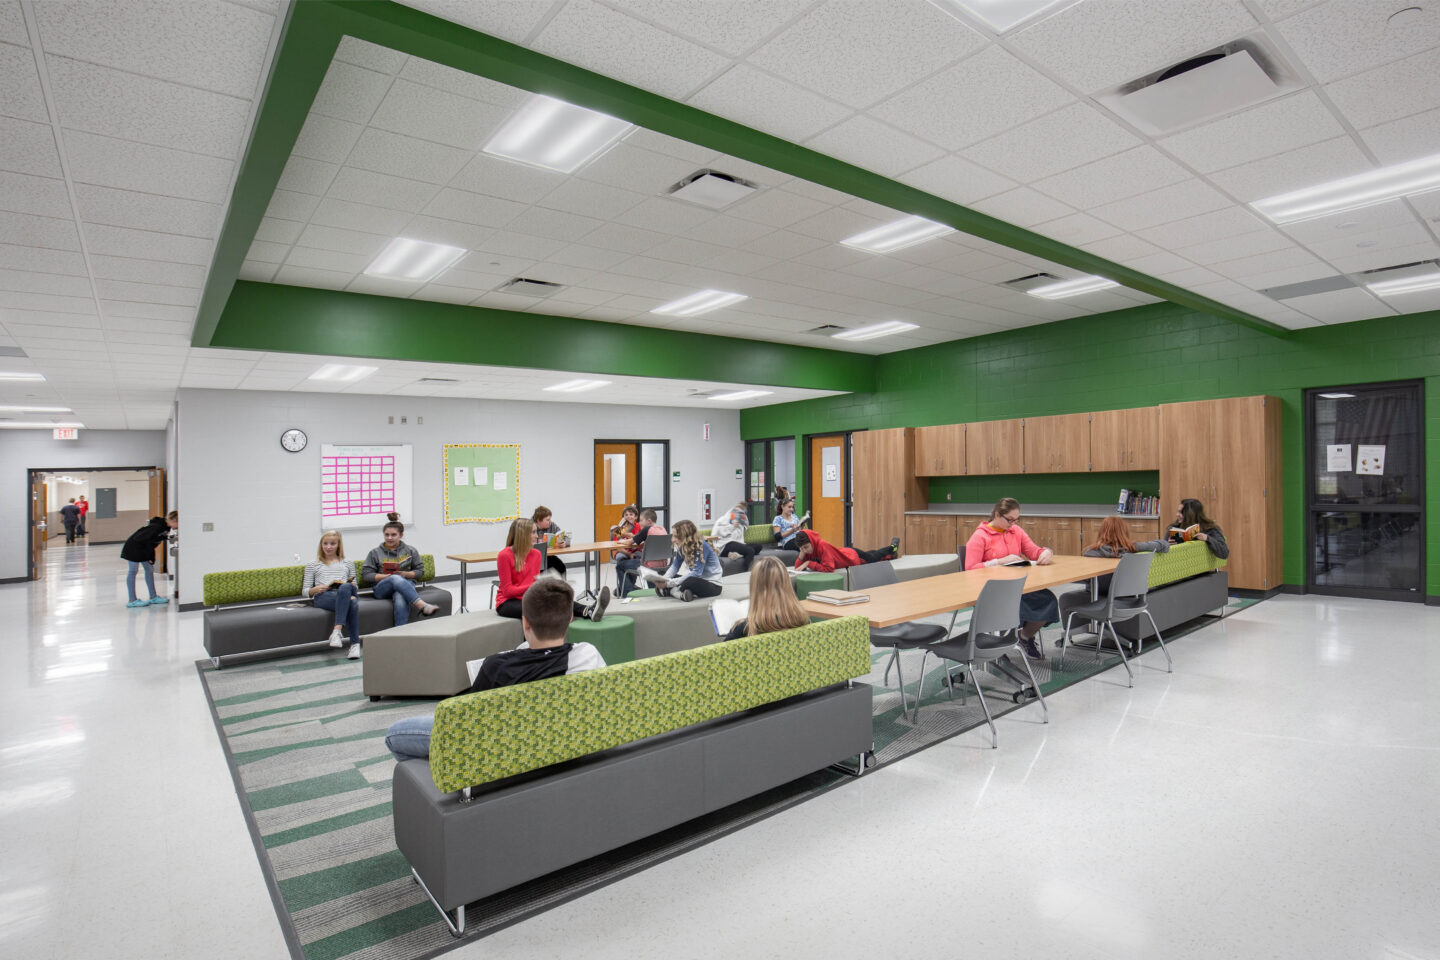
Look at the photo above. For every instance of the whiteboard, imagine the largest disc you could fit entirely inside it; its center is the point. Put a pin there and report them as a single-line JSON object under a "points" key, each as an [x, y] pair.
{"points": [[361, 483]]}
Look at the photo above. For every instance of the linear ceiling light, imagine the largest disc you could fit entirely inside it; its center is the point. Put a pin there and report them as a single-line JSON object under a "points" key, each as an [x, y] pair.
{"points": [[1393, 288], [16, 375], [555, 135], [37, 425], [36, 409], [1351, 193], [576, 386], [1071, 288], [1001, 15], [1337, 396], [897, 235], [342, 373], [742, 395], [698, 303], [406, 259], [875, 330]]}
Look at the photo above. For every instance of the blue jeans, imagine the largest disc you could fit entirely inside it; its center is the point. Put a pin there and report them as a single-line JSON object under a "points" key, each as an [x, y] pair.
{"points": [[149, 567], [624, 578], [399, 591], [346, 607], [409, 737]]}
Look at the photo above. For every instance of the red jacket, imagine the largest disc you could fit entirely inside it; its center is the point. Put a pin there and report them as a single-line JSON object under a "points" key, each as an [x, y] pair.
{"points": [[514, 583], [826, 557]]}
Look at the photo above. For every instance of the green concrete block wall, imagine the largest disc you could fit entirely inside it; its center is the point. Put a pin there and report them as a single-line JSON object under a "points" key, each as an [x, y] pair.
{"points": [[1159, 353]]}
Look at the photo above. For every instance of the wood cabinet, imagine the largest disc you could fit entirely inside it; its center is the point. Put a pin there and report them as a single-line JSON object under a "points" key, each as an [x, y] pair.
{"points": [[995, 447], [1059, 534], [1125, 439], [885, 485], [1137, 528], [940, 451], [929, 534], [1057, 444]]}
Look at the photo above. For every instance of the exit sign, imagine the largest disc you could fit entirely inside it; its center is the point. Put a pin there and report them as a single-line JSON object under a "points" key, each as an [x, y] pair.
{"points": [[67, 433]]}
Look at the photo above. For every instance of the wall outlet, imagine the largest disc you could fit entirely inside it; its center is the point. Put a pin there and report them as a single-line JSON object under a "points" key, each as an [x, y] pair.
{"points": [[392, 419], [207, 527], [404, 419], [419, 421], [948, 497]]}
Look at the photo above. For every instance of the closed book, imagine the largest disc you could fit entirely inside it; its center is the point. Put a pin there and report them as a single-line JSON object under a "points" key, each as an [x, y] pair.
{"points": [[838, 598]]}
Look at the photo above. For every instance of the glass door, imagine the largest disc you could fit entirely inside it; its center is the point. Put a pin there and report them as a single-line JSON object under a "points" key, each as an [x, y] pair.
{"points": [[758, 471], [1365, 491]]}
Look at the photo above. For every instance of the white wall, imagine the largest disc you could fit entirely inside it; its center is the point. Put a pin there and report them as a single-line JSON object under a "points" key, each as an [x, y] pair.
{"points": [[24, 449], [132, 488], [265, 503]]}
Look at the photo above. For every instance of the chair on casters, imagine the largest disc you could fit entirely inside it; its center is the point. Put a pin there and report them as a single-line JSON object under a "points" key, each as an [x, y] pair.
{"points": [[994, 632], [1124, 601], [902, 636]]}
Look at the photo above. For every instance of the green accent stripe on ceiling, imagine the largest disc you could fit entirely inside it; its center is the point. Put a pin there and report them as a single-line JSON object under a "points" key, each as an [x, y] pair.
{"points": [[276, 317]]}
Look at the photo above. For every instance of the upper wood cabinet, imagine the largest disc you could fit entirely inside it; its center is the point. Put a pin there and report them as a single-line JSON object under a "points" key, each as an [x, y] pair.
{"points": [[885, 485], [940, 451], [1125, 439], [995, 446], [1057, 444]]}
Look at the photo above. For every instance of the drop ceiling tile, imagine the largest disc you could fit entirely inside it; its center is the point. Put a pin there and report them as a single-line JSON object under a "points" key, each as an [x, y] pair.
{"points": [[370, 56], [367, 245], [757, 99], [1023, 207], [1054, 143], [43, 301], [506, 179], [29, 148], [624, 239], [1263, 131], [380, 189], [114, 309], [1290, 258], [279, 231], [23, 281], [1390, 92], [785, 244], [666, 215], [440, 293], [591, 199], [141, 211], [312, 277], [583, 297], [148, 293], [310, 177], [12, 24], [257, 271], [522, 246], [129, 107], [1097, 45], [108, 162], [874, 146], [326, 139], [1343, 38], [1294, 170], [779, 208], [731, 28], [288, 205], [836, 224], [552, 224], [359, 217], [402, 156], [21, 84], [588, 256], [511, 20], [728, 231], [1377, 241], [1341, 306], [1189, 276], [1228, 248], [1407, 139], [382, 287], [1284, 277], [16, 257], [147, 271], [1175, 202], [437, 230], [1229, 222], [1353, 224], [350, 93], [956, 179], [1113, 178], [37, 196], [1428, 206]]}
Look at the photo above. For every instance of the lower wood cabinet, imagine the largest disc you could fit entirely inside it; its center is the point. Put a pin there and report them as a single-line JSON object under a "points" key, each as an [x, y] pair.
{"points": [[935, 534], [1136, 528]]}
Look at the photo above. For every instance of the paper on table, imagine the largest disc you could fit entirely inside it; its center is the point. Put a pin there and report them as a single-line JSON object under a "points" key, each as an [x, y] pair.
{"points": [[462, 476], [1337, 458], [500, 480], [1371, 459]]}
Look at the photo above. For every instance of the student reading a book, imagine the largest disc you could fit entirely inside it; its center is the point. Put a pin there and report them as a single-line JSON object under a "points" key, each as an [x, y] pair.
{"points": [[546, 529], [519, 566], [786, 524], [1190, 523], [1112, 540], [545, 618], [629, 563], [1000, 541], [729, 534], [330, 582], [773, 605], [628, 526], [694, 570], [818, 556], [393, 567]]}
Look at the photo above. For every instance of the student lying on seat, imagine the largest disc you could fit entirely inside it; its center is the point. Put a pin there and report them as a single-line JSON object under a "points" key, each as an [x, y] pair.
{"points": [[817, 556]]}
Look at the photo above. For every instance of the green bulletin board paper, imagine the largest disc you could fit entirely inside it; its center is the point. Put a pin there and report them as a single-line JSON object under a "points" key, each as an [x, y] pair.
{"points": [[482, 482]]}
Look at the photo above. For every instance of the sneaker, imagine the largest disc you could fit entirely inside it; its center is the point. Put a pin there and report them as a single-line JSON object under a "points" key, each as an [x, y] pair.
{"points": [[662, 590], [353, 653], [337, 639], [597, 610], [1029, 648], [138, 603], [158, 600]]}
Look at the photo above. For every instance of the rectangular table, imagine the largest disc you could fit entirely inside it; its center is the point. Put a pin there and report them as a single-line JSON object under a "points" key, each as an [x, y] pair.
{"points": [[490, 556]]}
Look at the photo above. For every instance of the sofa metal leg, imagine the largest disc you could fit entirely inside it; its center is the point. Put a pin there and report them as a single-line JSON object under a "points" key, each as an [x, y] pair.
{"points": [[215, 661], [456, 926], [863, 760]]}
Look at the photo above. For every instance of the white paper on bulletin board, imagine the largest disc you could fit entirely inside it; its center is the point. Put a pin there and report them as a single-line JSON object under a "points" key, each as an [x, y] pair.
{"points": [[1370, 459], [360, 484], [1337, 458]]}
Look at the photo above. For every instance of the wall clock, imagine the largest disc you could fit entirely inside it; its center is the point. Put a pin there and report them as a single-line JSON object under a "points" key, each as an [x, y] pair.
{"points": [[294, 440]]}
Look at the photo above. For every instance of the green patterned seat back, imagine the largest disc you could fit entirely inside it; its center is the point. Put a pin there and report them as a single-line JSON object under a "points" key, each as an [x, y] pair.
{"points": [[273, 583], [1183, 560], [480, 737], [759, 534]]}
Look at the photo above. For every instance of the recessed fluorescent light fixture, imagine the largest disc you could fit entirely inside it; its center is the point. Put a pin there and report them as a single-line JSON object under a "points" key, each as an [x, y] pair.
{"points": [[36, 425], [1071, 288], [897, 235], [1002, 15], [742, 395], [1337, 396], [1393, 288], [576, 386], [406, 259], [342, 373], [555, 135], [875, 330], [36, 410], [15, 375], [698, 303], [1352, 193]]}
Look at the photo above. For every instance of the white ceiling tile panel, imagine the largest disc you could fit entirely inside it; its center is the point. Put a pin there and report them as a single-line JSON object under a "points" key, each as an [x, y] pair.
{"points": [[504, 178], [148, 271], [129, 107], [522, 246], [370, 56], [454, 233], [12, 24], [757, 99], [731, 27], [20, 94], [216, 47], [108, 162], [16, 257], [382, 287], [617, 46], [279, 231], [815, 191], [875, 146], [1156, 263], [1428, 206], [122, 242], [257, 271], [402, 156], [1341, 306], [862, 53], [977, 98], [38, 196], [1288, 275], [143, 211], [441, 293], [360, 217], [396, 193], [14, 300], [27, 147], [1175, 202], [1290, 258], [836, 224], [1023, 207], [669, 146], [781, 208], [1280, 9], [23, 281], [350, 93], [148, 293], [1054, 143], [1352, 224], [310, 177], [347, 263], [1244, 245], [553, 225], [326, 138], [1349, 36], [483, 89], [956, 179], [665, 215], [729, 231], [311, 277], [1407, 139], [591, 199], [785, 244], [1397, 236], [1293, 170], [1097, 45], [589, 256], [632, 168], [1229, 222], [1113, 178], [1189, 276], [473, 208], [288, 205], [1390, 92], [1262, 131], [367, 245], [507, 19], [151, 311]]}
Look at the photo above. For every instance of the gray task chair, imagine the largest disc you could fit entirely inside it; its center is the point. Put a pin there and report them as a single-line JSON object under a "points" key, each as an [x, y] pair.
{"points": [[902, 636], [1124, 601], [993, 633]]}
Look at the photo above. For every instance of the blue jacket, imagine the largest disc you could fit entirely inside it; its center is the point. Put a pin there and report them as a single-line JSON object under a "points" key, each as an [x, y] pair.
{"points": [[710, 568]]}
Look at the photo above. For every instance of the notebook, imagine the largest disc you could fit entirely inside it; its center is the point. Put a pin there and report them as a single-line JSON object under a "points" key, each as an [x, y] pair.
{"points": [[726, 613], [838, 598]]}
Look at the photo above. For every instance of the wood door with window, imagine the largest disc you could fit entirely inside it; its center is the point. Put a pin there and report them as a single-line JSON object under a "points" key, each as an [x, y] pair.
{"points": [[615, 485], [827, 488], [38, 508]]}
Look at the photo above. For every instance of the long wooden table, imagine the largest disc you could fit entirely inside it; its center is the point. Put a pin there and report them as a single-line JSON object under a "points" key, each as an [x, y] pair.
{"points": [[490, 556], [914, 599]]}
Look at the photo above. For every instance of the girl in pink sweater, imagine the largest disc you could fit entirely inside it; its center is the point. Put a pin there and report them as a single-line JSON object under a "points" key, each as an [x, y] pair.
{"points": [[1000, 540]]}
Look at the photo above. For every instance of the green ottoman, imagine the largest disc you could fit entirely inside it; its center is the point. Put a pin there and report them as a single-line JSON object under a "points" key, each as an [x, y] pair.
{"points": [[613, 636], [639, 593], [808, 583]]}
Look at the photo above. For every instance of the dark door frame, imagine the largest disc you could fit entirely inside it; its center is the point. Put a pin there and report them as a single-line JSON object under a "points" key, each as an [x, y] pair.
{"points": [[30, 485], [846, 465], [640, 503], [769, 471]]}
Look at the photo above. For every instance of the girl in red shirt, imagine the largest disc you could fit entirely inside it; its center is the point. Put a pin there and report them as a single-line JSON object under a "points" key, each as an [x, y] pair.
{"points": [[1000, 540], [519, 566], [818, 556]]}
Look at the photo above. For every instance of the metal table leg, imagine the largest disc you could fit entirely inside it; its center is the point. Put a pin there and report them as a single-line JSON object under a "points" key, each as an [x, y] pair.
{"points": [[463, 607]]}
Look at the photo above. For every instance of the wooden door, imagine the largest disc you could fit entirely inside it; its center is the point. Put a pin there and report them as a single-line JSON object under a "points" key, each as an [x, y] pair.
{"points": [[1142, 438], [867, 452], [980, 440], [157, 509], [885, 485], [615, 486], [1059, 444], [827, 487], [1009, 446], [38, 513], [965, 525], [1109, 448], [1241, 488]]}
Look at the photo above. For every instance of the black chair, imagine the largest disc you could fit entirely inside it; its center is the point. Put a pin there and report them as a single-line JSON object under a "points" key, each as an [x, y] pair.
{"points": [[902, 636], [1124, 601], [993, 634], [655, 554]]}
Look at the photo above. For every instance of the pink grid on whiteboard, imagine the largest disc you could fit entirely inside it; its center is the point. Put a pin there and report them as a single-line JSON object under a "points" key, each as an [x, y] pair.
{"points": [[356, 486]]}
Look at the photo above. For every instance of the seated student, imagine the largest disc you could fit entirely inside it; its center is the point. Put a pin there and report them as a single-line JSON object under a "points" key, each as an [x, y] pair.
{"points": [[773, 605], [628, 526], [544, 654], [1000, 540], [1111, 540], [330, 582], [627, 567], [391, 568], [694, 570], [729, 533], [519, 566], [1190, 523], [817, 556], [545, 527], [786, 524]]}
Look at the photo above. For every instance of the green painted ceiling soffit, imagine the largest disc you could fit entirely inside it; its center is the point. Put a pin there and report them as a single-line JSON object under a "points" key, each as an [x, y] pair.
{"points": [[313, 31]]}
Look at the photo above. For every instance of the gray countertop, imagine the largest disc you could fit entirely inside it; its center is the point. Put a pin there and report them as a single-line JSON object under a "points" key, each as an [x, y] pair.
{"points": [[1029, 509]]}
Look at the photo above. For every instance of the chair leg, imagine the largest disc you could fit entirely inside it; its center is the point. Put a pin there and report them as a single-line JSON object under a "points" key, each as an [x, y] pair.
{"points": [[980, 695], [1065, 638], [1035, 685], [1169, 663], [1130, 676], [900, 681], [920, 684], [894, 655], [949, 680]]}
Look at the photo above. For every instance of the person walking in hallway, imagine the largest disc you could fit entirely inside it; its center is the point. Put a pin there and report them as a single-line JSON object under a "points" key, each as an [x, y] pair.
{"points": [[70, 516], [83, 506]]}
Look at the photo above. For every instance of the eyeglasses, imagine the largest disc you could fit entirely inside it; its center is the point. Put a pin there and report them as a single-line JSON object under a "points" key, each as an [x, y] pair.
{"points": [[1011, 519]]}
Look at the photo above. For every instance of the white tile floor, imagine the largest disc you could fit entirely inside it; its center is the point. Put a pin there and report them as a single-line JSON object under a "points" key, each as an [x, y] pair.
{"points": [[1246, 806]]}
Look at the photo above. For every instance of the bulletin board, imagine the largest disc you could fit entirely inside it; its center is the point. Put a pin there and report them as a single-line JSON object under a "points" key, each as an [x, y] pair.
{"points": [[360, 484], [482, 482]]}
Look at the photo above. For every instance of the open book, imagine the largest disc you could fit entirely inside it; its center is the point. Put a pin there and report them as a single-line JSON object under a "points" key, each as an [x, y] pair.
{"points": [[838, 598], [472, 667], [1014, 562], [726, 613], [1185, 533]]}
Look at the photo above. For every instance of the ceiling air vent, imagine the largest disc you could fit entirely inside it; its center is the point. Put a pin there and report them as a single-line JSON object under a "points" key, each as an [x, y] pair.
{"points": [[1030, 281], [1308, 288], [1418, 266], [530, 288], [825, 329], [1212, 84], [712, 189], [436, 380]]}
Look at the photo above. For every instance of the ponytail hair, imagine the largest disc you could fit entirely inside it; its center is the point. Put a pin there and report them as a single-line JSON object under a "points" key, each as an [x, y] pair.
{"points": [[394, 522]]}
